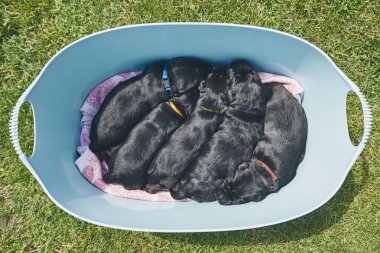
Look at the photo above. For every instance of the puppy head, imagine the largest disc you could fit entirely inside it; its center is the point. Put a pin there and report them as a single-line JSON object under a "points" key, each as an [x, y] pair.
{"points": [[250, 182], [186, 101], [246, 92], [214, 89], [186, 73]]}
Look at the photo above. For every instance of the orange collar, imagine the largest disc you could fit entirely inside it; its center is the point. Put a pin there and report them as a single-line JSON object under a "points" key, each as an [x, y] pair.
{"points": [[271, 173], [175, 108]]}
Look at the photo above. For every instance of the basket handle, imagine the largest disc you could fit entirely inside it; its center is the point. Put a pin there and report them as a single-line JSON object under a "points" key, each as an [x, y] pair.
{"points": [[367, 116], [13, 128]]}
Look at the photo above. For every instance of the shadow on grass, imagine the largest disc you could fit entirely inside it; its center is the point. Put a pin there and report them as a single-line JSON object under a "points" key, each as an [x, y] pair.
{"points": [[306, 226]]}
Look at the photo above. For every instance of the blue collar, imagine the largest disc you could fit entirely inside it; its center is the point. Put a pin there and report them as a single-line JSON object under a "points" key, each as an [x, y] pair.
{"points": [[167, 86], [255, 113]]}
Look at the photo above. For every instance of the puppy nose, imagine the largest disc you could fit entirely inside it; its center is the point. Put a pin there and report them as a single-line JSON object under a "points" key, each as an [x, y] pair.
{"points": [[243, 166]]}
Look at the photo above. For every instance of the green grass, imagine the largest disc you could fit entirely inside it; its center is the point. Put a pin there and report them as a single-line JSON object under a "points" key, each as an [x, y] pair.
{"points": [[31, 32]]}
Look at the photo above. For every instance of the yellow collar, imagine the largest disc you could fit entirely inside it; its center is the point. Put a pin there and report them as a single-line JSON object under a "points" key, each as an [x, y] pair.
{"points": [[175, 108], [209, 110]]}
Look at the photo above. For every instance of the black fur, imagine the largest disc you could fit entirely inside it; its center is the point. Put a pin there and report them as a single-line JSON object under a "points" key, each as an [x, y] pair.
{"points": [[186, 141], [128, 164], [235, 139], [282, 149], [131, 100]]}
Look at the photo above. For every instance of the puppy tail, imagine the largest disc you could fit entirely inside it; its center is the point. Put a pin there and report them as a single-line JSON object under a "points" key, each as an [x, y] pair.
{"points": [[302, 155]]}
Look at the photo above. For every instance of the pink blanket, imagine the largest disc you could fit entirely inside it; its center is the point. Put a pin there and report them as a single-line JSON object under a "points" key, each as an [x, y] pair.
{"points": [[93, 169]]}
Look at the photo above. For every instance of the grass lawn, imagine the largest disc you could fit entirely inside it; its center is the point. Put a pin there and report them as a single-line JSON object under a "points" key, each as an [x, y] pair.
{"points": [[31, 32]]}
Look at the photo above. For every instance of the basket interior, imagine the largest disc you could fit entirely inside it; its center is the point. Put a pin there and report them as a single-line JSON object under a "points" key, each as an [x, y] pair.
{"points": [[66, 81]]}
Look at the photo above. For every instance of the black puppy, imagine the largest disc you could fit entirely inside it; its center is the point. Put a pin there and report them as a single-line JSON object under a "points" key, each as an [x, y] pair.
{"points": [[128, 164], [277, 155], [186, 141], [235, 139], [131, 100]]}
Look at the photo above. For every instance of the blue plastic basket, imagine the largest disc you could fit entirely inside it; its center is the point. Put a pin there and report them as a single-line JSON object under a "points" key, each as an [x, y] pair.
{"points": [[60, 89]]}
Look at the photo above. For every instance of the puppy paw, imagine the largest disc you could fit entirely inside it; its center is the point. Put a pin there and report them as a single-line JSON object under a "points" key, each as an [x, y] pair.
{"points": [[178, 195], [177, 192], [153, 188]]}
